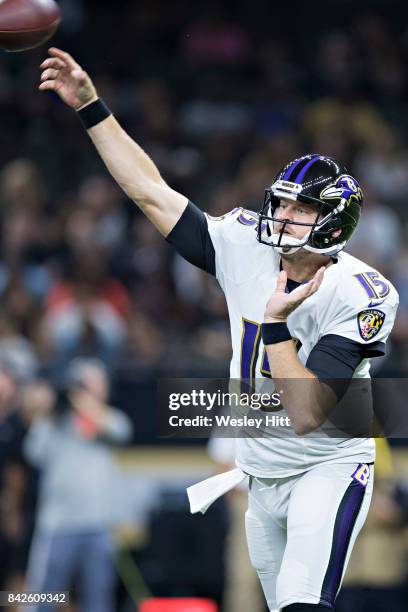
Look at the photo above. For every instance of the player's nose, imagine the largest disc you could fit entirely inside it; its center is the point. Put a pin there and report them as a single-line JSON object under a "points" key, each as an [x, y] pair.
{"points": [[283, 216], [285, 212]]}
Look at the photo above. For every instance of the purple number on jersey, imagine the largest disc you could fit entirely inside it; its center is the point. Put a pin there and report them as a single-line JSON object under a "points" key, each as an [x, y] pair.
{"points": [[250, 339], [375, 286]]}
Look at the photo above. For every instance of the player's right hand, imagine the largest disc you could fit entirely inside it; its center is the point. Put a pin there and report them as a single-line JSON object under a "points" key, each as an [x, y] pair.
{"points": [[281, 304], [63, 75]]}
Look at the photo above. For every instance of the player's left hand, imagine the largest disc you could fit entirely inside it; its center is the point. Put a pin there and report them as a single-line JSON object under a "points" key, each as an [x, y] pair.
{"points": [[281, 304]]}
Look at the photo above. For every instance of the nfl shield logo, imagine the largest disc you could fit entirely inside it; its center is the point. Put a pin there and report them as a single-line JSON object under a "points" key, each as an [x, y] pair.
{"points": [[370, 322]]}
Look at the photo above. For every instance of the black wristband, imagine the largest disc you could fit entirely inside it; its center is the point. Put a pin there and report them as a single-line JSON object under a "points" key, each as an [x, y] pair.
{"points": [[272, 333], [93, 114]]}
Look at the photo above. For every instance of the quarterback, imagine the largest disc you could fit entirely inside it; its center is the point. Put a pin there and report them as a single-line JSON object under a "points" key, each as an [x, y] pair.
{"points": [[285, 277]]}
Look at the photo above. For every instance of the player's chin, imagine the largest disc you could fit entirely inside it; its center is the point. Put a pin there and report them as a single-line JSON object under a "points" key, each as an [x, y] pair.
{"points": [[287, 252]]}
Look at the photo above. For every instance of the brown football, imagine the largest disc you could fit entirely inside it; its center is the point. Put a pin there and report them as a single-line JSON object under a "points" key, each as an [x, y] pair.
{"points": [[25, 24]]}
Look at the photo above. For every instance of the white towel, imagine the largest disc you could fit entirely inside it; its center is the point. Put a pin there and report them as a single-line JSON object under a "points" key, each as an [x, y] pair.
{"points": [[206, 492]]}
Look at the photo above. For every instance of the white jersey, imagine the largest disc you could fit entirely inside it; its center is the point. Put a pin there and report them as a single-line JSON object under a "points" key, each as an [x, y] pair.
{"points": [[354, 301]]}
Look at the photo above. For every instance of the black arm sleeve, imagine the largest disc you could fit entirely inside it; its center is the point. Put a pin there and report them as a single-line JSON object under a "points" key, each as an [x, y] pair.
{"points": [[192, 240], [334, 360]]}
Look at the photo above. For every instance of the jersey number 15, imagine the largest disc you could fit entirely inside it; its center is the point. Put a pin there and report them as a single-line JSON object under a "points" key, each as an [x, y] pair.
{"points": [[250, 341]]}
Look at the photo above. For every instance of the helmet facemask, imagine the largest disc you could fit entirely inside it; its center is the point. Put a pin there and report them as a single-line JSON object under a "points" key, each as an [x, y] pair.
{"points": [[271, 231]]}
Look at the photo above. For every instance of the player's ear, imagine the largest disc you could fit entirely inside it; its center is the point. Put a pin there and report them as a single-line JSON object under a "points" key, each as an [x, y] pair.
{"points": [[336, 233]]}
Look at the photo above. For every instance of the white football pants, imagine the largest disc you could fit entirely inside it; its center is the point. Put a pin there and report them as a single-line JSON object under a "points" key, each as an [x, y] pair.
{"points": [[301, 531]]}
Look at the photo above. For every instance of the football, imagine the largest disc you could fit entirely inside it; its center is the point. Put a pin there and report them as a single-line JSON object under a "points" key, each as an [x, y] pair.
{"points": [[25, 24]]}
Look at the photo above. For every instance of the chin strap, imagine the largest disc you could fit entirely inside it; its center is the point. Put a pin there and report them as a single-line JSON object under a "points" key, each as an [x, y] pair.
{"points": [[330, 251], [288, 244], [286, 250]]}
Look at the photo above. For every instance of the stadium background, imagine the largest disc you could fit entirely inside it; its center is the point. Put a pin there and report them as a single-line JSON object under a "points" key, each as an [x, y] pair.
{"points": [[220, 96]]}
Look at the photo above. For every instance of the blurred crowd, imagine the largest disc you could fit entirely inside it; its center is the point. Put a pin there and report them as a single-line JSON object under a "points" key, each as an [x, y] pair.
{"points": [[220, 104], [220, 96]]}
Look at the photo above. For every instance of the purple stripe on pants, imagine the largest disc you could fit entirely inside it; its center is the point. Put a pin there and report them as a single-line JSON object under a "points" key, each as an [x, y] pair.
{"points": [[346, 518]]}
